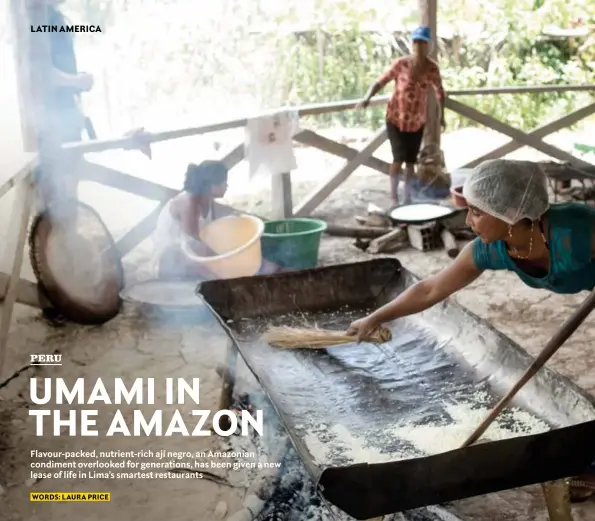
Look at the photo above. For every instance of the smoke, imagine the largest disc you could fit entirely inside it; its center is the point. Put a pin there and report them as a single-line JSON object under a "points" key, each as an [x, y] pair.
{"points": [[130, 90]]}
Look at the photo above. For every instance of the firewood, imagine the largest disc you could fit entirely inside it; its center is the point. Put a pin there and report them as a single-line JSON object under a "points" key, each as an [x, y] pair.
{"points": [[389, 242], [362, 232], [379, 221], [450, 244], [362, 244]]}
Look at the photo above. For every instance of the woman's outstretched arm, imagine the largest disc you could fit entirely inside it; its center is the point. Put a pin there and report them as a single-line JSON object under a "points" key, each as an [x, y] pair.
{"points": [[422, 295]]}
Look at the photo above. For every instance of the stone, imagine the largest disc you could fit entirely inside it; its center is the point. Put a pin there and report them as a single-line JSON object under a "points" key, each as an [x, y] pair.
{"points": [[220, 510]]}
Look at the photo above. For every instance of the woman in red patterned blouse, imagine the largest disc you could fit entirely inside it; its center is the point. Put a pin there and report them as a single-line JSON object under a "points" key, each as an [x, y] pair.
{"points": [[406, 110]]}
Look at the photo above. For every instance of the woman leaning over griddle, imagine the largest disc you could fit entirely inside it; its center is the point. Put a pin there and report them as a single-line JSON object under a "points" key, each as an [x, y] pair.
{"points": [[548, 247]]}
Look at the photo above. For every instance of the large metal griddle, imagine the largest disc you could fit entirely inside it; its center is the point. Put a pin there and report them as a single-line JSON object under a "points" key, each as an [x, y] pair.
{"points": [[343, 385]]}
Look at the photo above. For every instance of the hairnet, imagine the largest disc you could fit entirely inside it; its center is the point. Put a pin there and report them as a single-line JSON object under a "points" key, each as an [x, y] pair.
{"points": [[508, 190]]}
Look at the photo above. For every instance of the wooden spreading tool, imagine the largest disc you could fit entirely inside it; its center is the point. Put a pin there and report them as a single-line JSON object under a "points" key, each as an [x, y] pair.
{"points": [[563, 334]]}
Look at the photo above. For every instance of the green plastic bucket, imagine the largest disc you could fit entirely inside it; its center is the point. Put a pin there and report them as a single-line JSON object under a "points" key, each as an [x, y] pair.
{"points": [[292, 243]]}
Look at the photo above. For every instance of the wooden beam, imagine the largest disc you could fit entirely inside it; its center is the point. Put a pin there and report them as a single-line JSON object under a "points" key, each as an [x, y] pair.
{"points": [[566, 172], [304, 110], [320, 194], [27, 292], [141, 187], [282, 197], [360, 232], [538, 133], [513, 133], [521, 89], [139, 232], [234, 156], [314, 140], [125, 182], [130, 142], [17, 236], [20, 175]]}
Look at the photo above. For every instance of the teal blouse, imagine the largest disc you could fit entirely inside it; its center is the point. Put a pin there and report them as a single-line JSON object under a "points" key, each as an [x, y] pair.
{"points": [[570, 237]]}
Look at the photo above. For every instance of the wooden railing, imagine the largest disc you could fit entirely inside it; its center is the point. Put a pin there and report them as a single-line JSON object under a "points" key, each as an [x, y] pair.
{"points": [[305, 110], [13, 289], [281, 189]]}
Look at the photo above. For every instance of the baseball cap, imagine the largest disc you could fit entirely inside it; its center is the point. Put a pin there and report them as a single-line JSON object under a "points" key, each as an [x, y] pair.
{"points": [[421, 33]]}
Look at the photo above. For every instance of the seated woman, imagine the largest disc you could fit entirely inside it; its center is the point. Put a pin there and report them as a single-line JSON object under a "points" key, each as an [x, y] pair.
{"points": [[548, 247], [184, 215], [182, 218]]}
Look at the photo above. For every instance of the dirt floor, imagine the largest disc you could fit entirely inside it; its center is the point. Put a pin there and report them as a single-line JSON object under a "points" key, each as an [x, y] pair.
{"points": [[135, 345]]}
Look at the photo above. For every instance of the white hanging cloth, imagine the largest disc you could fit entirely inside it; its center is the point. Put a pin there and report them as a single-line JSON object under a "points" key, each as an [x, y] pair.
{"points": [[269, 143]]}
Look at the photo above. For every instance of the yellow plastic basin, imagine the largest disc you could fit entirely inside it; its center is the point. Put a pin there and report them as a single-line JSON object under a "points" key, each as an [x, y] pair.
{"points": [[236, 240]]}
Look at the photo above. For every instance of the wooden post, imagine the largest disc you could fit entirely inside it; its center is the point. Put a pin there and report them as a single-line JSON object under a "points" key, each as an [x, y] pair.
{"points": [[21, 35], [14, 252], [36, 79], [58, 168], [35, 72], [282, 203], [428, 10], [557, 500], [228, 381]]}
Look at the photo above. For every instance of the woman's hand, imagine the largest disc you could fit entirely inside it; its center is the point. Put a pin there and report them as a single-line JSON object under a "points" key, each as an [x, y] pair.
{"points": [[363, 328], [193, 247], [421, 295]]}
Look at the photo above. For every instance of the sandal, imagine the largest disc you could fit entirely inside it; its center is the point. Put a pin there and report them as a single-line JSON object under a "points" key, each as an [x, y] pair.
{"points": [[581, 488]]}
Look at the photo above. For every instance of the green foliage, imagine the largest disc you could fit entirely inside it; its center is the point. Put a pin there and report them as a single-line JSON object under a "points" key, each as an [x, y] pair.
{"points": [[345, 65], [226, 58], [510, 48], [504, 48]]}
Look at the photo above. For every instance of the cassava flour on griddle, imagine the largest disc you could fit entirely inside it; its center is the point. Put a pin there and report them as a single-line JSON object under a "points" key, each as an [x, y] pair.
{"points": [[326, 444], [434, 438]]}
